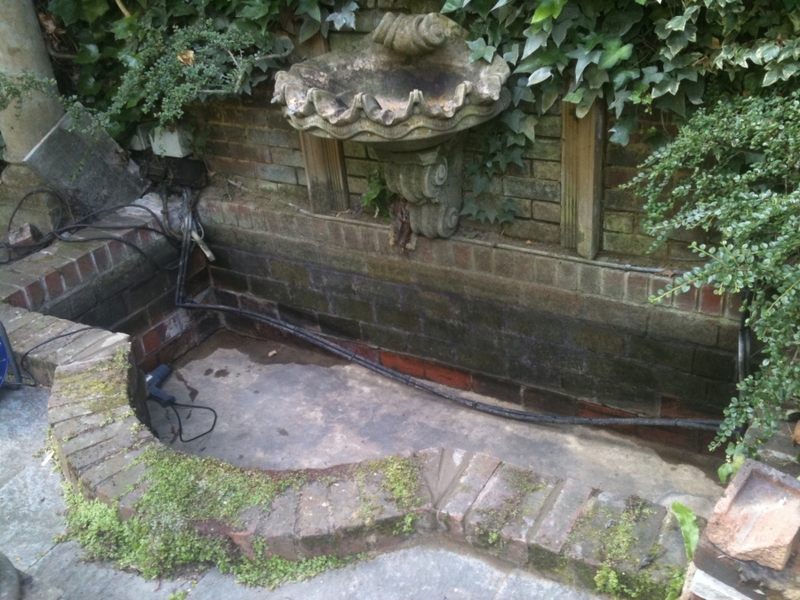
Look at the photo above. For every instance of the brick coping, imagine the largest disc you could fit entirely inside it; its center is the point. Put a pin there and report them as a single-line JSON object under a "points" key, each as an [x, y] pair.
{"points": [[97, 392]]}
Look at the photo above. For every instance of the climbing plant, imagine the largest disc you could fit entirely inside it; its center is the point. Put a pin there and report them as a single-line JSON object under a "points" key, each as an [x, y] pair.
{"points": [[633, 53], [733, 168], [149, 58]]}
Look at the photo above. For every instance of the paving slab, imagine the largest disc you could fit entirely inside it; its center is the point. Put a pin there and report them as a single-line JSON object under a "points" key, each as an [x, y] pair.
{"points": [[303, 409]]}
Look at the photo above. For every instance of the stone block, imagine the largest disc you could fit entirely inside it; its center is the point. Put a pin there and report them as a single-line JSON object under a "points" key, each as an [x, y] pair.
{"points": [[559, 520], [111, 466], [87, 167], [453, 509], [758, 517], [278, 528], [622, 531], [312, 527], [506, 510]]}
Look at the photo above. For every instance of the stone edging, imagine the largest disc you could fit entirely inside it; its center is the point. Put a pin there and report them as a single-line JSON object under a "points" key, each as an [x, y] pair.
{"points": [[544, 523]]}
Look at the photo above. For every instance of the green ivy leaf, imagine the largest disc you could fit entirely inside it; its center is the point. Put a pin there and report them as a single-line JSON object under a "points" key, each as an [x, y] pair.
{"points": [[613, 53], [308, 29], [307, 7], [94, 9], [512, 55], [481, 51], [533, 41], [88, 53], [453, 5], [621, 132], [540, 75]]}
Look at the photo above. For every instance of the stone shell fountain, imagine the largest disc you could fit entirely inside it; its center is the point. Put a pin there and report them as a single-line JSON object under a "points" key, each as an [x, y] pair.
{"points": [[407, 91]]}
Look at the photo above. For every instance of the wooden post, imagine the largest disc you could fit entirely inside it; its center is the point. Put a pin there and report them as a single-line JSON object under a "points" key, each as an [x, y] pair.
{"points": [[323, 159], [582, 179]]}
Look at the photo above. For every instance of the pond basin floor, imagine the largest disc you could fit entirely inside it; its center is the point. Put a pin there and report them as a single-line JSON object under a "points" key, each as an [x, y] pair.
{"points": [[282, 406]]}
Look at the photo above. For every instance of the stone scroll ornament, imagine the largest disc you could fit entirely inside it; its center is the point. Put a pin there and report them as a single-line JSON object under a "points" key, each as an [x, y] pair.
{"points": [[408, 91]]}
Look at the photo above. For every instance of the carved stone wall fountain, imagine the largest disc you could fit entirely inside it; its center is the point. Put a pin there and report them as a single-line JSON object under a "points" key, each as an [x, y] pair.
{"points": [[409, 91]]}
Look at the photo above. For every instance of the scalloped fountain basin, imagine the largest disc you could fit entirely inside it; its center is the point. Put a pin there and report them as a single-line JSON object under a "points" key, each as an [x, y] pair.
{"points": [[408, 91], [410, 82]]}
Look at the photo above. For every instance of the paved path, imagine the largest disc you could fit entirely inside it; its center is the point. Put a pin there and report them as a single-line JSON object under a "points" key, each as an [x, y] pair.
{"points": [[31, 515]]}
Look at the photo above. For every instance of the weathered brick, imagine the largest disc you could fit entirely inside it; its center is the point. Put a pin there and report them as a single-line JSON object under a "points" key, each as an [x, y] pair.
{"points": [[229, 280], [385, 337], [589, 279], [627, 243], [548, 170], [306, 298], [710, 302], [290, 273], [347, 328], [686, 300], [404, 320], [661, 353], [536, 231], [233, 167], [548, 126], [612, 283], [453, 509], [683, 326], [533, 189], [620, 222], [544, 150], [538, 325], [611, 312], [267, 137], [277, 173], [557, 524], [546, 211], [482, 259], [596, 338], [714, 364]]}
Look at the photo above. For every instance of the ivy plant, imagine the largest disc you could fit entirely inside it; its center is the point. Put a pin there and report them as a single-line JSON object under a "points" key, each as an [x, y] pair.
{"points": [[633, 53], [733, 168]]}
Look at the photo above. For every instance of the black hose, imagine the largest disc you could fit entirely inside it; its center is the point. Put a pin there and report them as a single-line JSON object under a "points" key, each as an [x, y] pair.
{"points": [[745, 337], [351, 355]]}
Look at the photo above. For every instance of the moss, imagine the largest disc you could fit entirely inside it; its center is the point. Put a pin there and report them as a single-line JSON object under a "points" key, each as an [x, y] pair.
{"points": [[182, 491], [522, 483], [104, 385], [400, 481], [615, 575]]}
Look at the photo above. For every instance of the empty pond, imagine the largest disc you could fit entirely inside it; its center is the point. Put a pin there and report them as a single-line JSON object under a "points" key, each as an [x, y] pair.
{"points": [[281, 406]]}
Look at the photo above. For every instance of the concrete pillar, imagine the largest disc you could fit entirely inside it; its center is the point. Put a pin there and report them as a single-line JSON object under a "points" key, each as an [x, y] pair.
{"points": [[22, 48]]}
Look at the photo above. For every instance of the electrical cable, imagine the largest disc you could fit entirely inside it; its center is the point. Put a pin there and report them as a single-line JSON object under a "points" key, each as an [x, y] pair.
{"points": [[172, 405], [60, 232], [352, 356], [40, 344]]}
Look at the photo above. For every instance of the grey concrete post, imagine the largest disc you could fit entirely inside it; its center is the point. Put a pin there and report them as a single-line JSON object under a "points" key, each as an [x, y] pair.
{"points": [[22, 48]]}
